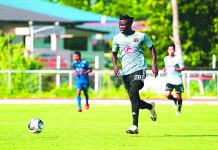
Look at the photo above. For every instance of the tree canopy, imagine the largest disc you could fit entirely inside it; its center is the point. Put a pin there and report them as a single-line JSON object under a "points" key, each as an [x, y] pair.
{"points": [[198, 24], [12, 56]]}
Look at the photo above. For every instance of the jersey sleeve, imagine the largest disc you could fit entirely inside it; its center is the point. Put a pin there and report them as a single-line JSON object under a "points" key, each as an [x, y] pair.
{"points": [[181, 64], [88, 66], [147, 41], [115, 46], [165, 58]]}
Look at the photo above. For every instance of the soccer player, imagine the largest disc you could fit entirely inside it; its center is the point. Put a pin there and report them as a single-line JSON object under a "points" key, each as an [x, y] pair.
{"points": [[81, 71], [173, 68], [129, 43]]}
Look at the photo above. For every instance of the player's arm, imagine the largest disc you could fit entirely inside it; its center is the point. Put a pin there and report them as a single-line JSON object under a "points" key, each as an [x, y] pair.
{"points": [[88, 68], [114, 60], [164, 70], [74, 70], [115, 48], [149, 44], [154, 60], [87, 71], [181, 67]]}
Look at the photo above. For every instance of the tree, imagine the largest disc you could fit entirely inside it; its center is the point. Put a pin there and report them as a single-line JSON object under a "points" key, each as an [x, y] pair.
{"points": [[16, 61], [198, 24], [176, 37], [81, 4], [156, 13], [198, 32]]}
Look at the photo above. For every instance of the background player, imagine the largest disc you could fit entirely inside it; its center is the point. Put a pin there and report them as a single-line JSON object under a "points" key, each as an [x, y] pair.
{"points": [[81, 71], [129, 43], [173, 67]]}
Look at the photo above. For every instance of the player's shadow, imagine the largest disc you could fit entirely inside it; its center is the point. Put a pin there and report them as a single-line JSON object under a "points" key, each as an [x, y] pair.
{"points": [[192, 135]]}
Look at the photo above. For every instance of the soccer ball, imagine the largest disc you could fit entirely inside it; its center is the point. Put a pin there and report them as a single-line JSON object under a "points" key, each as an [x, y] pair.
{"points": [[35, 125]]}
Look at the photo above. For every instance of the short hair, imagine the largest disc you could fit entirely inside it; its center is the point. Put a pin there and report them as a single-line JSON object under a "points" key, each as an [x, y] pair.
{"points": [[127, 17], [172, 45], [77, 53]]}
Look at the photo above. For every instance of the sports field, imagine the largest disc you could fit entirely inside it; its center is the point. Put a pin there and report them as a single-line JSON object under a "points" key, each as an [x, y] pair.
{"points": [[103, 128]]}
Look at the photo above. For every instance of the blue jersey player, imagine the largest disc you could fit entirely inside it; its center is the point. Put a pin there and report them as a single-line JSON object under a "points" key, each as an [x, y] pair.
{"points": [[81, 71]]}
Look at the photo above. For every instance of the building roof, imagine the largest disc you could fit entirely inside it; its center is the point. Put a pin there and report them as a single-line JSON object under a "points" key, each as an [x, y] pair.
{"points": [[10, 14], [44, 11]]}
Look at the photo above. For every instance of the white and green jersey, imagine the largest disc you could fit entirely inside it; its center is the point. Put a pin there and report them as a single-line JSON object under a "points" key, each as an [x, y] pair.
{"points": [[173, 77], [131, 52]]}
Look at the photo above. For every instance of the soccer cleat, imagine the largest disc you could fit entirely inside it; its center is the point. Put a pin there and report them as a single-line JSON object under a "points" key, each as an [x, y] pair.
{"points": [[178, 113], [132, 130], [152, 112], [87, 106], [79, 109]]}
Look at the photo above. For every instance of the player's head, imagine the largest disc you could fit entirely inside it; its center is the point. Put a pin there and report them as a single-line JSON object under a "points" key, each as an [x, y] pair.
{"points": [[125, 24], [171, 49], [77, 56]]}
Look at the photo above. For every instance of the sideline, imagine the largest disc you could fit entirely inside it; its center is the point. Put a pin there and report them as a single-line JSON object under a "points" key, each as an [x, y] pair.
{"points": [[96, 101]]}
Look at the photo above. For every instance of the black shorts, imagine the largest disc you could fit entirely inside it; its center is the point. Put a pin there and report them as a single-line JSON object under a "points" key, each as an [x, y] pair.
{"points": [[138, 75], [178, 88]]}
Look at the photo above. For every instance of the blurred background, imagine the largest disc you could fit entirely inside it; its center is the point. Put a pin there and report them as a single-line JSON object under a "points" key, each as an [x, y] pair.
{"points": [[38, 38]]}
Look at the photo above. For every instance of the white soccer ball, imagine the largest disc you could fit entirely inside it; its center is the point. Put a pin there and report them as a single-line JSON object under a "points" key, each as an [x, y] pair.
{"points": [[35, 125]]}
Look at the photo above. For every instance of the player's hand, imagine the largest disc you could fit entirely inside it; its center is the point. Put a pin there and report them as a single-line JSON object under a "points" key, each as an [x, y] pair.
{"points": [[116, 71], [164, 70], [154, 70], [76, 73]]}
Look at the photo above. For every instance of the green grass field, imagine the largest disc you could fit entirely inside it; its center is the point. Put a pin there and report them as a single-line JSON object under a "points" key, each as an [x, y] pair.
{"points": [[103, 128]]}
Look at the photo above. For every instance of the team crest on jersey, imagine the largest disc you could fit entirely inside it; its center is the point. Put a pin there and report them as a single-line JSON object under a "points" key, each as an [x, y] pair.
{"points": [[136, 39]]}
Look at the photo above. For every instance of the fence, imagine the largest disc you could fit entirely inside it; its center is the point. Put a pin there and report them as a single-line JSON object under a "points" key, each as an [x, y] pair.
{"points": [[202, 79]]}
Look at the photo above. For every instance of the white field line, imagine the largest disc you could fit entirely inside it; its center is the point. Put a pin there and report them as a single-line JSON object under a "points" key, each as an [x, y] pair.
{"points": [[11, 122], [98, 101], [189, 123], [153, 123]]}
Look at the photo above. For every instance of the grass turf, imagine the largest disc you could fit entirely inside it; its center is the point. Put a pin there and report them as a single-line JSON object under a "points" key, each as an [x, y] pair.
{"points": [[103, 128]]}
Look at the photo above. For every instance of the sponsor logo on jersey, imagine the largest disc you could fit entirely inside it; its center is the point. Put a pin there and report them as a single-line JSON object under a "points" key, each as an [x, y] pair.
{"points": [[129, 50], [136, 39]]}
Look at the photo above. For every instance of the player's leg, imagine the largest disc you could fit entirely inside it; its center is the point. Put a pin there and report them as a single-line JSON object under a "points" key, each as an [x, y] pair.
{"points": [[169, 88], [139, 84], [144, 105], [179, 91], [78, 86], [137, 103], [134, 98], [78, 98], [179, 97], [85, 91], [87, 98], [134, 128]]}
